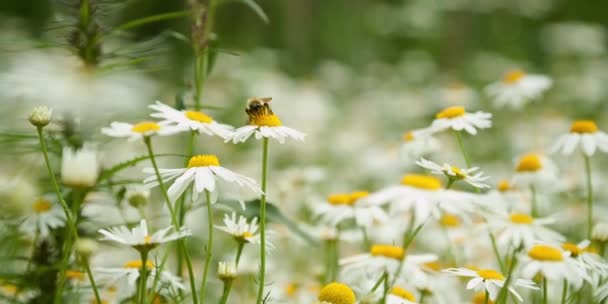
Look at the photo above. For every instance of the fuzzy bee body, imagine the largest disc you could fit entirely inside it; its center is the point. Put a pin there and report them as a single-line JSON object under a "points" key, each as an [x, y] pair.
{"points": [[258, 107]]}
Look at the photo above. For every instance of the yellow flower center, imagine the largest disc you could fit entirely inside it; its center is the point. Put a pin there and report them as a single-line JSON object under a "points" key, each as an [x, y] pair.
{"points": [[451, 112], [421, 181], [408, 136], [583, 126], [513, 77], [520, 218], [489, 274], [357, 195], [458, 172], [389, 251], [74, 275], [480, 298], [529, 163], [450, 220], [198, 116], [402, 293], [504, 186], [573, 249], [545, 253], [145, 126], [337, 293], [265, 120], [435, 265], [147, 239], [339, 199], [9, 289], [291, 289], [136, 264], [203, 160], [246, 235], [41, 206]]}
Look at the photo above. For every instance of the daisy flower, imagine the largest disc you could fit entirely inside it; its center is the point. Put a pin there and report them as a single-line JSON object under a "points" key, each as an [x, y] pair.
{"points": [[263, 123], [206, 174], [79, 168], [45, 217], [399, 295], [424, 197], [585, 135], [471, 177], [515, 230], [241, 230], [131, 272], [553, 264], [189, 120], [138, 131], [417, 143], [140, 238], [518, 88], [595, 266], [491, 281], [534, 169], [337, 293], [457, 119], [345, 206]]}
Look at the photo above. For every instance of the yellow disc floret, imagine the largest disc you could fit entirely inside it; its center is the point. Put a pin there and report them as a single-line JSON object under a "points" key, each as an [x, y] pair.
{"points": [[513, 77], [267, 120], [458, 172], [198, 116], [529, 163], [357, 195], [402, 293], [203, 160], [545, 253], [408, 136], [337, 293], [339, 199], [489, 274], [583, 126], [136, 264], [450, 220], [480, 298], [389, 251], [41, 206], [421, 181], [504, 186], [145, 127], [520, 218], [451, 112], [573, 249]]}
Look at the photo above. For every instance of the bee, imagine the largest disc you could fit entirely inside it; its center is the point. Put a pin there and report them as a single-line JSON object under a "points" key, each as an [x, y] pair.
{"points": [[257, 107]]}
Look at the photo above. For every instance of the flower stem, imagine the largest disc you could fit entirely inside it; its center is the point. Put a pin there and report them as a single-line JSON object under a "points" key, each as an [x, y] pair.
{"points": [[467, 160], [533, 201], [263, 221], [180, 208], [383, 278], [226, 293], [496, 252], [545, 295], [589, 196], [141, 290], [239, 251], [486, 298], [564, 291], [504, 291], [201, 57], [87, 268], [209, 247]]}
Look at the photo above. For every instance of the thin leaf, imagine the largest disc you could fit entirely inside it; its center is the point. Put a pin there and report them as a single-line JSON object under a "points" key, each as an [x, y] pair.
{"points": [[151, 19], [105, 174], [256, 8]]}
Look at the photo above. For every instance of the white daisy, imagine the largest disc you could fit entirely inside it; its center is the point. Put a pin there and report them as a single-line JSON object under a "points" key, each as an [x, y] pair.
{"points": [[469, 175], [515, 230], [594, 264], [553, 264], [424, 197], [399, 295], [205, 172], [417, 143], [189, 120], [584, 134], [240, 229], [344, 206], [45, 217], [139, 130], [263, 123], [518, 88], [79, 168], [168, 283], [491, 281], [536, 170], [456, 118], [139, 237]]}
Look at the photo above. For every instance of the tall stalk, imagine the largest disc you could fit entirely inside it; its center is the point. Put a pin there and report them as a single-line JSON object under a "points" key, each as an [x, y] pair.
{"points": [[263, 221], [209, 247], [589, 196]]}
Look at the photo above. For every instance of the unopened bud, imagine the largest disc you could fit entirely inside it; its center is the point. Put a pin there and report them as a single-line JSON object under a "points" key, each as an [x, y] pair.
{"points": [[226, 271], [86, 247], [40, 116]]}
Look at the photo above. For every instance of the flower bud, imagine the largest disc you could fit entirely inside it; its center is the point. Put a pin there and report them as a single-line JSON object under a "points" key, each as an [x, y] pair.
{"points": [[40, 116], [79, 168], [600, 233], [226, 271], [86, 247]]}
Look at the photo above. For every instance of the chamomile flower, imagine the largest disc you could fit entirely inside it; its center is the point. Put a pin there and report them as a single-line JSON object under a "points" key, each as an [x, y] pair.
{"points": [[337, 293], [241, 230], [515, 230], [206, 174], [10, 291], [263, 123], [590, 261], [534, 169], [469, 175], [140, 238], [399, 295], [585, 135], [345, 206], [554, 264], [189, 120], [45, 216], [139, 130], [131, 271], [457, 119], [417, 143], [518, 88], [79, 168], [423, 196], [491, 281]]}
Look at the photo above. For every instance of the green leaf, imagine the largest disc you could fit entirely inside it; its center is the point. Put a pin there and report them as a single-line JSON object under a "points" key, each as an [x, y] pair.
{"points": [[256, 8], [151, 19], [108, 173]]}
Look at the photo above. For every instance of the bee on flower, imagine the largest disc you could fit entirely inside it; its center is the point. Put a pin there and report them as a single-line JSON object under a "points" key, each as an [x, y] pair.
{"points": [[189, 120], [584, 135], [471, 176], [517, 88], [490, 281], [458, 119]]}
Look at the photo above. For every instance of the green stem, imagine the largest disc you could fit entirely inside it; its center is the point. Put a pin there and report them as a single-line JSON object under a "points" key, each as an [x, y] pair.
{"points": [[533, 201], [467, 160], [486, 298], [239, 251], [263, 221], [589, 196], [366, 241], [504, 291], [209, 248], [545, 295], [496, 252], [450, 183], [180, 207], [141, 290], [408, 238], [201, 57], [226, 293], [67, 250], [385, 290], [564, 291], [87, 268], [383, 278]]}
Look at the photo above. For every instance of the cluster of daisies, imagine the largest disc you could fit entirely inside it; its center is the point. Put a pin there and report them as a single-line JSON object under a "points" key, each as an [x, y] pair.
{"points": [[440, 234]]}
